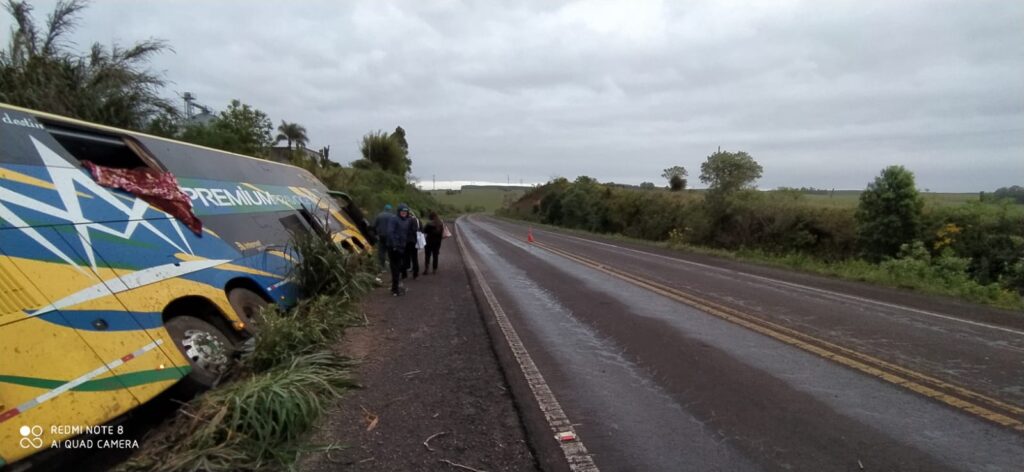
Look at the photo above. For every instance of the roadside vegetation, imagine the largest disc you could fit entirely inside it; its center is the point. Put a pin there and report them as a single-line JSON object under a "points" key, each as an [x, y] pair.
{"points": [[283, 381], [892, 236]]}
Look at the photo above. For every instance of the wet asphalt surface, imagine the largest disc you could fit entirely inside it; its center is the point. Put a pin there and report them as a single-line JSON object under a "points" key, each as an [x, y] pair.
{"points": [[655, 384]]}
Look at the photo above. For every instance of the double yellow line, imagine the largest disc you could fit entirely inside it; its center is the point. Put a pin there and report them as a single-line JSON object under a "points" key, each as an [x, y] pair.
{"points": [[991, 409]]}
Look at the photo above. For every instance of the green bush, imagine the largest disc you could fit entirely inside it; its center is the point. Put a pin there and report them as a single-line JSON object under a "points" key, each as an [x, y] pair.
{"points": [[917, 268], [889, 213]]}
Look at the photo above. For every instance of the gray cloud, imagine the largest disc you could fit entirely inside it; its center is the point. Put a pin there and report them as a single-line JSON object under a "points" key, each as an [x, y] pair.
{"points": [[822, 94]]}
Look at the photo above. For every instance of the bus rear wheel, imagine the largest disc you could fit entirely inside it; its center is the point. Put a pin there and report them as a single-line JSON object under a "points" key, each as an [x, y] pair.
{"points": [[207, 349], [247, 305]]}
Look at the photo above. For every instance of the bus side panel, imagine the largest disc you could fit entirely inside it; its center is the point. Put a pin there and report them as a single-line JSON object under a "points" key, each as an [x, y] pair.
{"points": [[83, 290], [41, 355], [117, 329], [21, 136]]}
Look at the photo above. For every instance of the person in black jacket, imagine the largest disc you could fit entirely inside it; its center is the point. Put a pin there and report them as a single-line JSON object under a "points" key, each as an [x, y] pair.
{"points": [[399, 230], [434, 231]]}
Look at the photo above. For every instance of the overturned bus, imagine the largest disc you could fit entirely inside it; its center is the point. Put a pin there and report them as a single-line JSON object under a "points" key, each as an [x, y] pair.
{"points": [[123, 256]]}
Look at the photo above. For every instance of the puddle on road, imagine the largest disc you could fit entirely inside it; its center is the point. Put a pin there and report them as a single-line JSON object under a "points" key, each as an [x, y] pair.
{"points": [[629, 423], [956, 438]]}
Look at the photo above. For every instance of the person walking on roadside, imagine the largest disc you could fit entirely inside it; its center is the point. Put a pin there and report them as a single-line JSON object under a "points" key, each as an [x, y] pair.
{"points": [[412, 255], [399, 229], [380, 225], [434, 232]]}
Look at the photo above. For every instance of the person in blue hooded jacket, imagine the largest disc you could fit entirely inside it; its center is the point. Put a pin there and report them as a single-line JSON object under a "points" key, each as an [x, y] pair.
{"points": [[399, 230]]}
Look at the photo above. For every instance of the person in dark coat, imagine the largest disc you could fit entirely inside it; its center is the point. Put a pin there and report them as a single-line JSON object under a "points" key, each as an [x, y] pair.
{"points": [[380, 225], [399, 229], [412, 254], [434, 231]]}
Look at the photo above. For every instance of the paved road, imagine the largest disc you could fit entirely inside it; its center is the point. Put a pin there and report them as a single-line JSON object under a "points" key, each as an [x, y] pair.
{"points": [[666, 363]]}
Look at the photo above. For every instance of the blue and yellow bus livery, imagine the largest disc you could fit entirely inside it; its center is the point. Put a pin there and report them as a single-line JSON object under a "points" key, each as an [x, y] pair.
{"points": [[107, 301]]}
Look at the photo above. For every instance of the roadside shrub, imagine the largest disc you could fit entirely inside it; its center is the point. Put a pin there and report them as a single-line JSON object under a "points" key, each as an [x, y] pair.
{"points": [[889, 213], [990, 235], [917, 268]]}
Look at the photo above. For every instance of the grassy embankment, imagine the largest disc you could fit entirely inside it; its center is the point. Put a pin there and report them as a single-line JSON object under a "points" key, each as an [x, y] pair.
{"points": [[258, 419]]}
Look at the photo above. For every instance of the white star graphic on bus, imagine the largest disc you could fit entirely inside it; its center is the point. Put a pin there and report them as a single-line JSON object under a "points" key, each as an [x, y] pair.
{"points": [[64, 178]]}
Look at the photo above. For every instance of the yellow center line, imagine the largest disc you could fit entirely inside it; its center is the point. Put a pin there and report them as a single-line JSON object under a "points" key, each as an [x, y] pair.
{"points": [[823, 348]]}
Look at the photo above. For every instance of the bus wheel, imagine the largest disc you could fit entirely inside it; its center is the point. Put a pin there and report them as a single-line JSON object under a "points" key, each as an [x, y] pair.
{"points": [[207, 349], [247, 305]]}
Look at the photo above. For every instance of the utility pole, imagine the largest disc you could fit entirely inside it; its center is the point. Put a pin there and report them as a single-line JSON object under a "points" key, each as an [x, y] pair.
{"points": [[433, 177]]}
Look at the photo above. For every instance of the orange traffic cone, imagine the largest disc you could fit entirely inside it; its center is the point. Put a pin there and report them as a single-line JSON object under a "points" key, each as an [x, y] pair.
{"points": [[529, 235]]}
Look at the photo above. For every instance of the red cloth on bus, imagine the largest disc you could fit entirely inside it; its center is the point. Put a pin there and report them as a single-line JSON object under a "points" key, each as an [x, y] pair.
{"points": [[159, 189]]}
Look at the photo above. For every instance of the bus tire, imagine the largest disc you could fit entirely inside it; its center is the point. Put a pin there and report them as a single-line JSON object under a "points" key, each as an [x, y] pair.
{"points": [[247, 305], [207, 349]]}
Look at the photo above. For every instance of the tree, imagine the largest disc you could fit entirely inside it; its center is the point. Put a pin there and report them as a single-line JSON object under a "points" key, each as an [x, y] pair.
{"points": [[889, 213], [727, 172], [385, 151], [399, 137], [676, 177], [647, 185], [110, 86], [1014, 193], [240, 128], [292, 133]]}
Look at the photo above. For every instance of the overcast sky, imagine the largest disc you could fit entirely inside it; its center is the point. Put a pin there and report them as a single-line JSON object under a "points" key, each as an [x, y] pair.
{"points": [[821, 93]]}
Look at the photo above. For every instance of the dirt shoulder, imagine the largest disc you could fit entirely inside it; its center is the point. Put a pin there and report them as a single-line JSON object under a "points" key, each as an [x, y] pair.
{"points": [[427, 369]]}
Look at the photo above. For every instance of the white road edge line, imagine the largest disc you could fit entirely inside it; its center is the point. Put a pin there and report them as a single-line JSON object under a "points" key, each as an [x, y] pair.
{"points": [[576, 453], [800, 286]]}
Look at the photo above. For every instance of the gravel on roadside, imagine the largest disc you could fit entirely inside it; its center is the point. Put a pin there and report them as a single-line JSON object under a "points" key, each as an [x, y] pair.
{"points": [[427, 371]]}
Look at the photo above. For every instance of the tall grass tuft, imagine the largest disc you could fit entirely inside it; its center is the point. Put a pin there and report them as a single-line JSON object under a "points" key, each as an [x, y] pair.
{"points": [[251, 425], [324, 269], [309, 326]]}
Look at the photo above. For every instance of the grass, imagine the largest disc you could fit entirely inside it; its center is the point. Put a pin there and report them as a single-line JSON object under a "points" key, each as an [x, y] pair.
{"points": [[901, 273], [251, 424], [479, 198], [281, 385]]}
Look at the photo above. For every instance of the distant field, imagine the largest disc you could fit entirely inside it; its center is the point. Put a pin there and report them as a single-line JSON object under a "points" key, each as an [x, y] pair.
{"points": [[488, 198]]}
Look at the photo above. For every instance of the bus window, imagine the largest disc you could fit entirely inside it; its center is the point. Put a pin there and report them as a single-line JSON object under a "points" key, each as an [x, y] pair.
{"points": [[103, 149], [294, 225]]}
